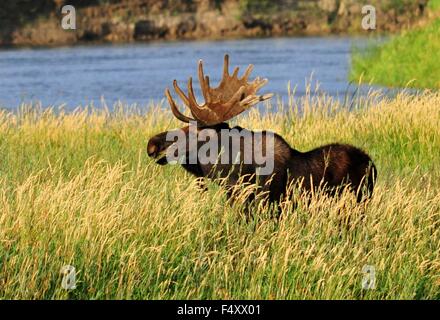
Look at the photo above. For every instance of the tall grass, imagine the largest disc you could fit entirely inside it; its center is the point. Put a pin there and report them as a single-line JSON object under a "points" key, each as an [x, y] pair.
{"points": [[78, 189]]}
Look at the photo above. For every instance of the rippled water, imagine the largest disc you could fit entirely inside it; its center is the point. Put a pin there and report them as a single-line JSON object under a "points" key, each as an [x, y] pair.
{"points": [[139, 73]]}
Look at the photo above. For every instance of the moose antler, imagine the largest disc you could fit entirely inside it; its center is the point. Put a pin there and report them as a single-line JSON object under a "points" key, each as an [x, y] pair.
{"points": [[233, 96]]}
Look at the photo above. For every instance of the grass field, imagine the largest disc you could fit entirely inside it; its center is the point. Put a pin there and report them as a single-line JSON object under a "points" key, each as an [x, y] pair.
{"points": [[78, 189], [408, 60]]}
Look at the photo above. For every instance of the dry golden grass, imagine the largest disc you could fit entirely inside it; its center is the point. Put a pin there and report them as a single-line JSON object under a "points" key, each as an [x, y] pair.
{"points": [[78, 189]]}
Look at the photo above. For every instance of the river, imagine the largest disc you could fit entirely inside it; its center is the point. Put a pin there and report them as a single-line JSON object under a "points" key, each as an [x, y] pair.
{"points": [[139, 73]]}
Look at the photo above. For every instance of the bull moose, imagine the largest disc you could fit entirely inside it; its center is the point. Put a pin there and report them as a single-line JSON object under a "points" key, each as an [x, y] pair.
{"points": [[332, 167]]}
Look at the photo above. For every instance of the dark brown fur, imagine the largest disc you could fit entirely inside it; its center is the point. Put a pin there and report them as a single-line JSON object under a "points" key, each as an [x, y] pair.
{"points": [[331, 167]]}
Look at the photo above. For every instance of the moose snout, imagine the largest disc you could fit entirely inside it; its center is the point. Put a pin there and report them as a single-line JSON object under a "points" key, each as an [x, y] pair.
{"points": [[157, 145], [152, 150], [154, 147]]}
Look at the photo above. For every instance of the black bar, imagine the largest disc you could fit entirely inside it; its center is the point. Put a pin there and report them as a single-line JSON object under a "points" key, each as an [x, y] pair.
{"points": [[219, 309]]}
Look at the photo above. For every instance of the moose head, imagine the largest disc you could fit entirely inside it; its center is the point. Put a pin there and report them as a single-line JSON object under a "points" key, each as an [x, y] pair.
{"points": [[231, 97]]}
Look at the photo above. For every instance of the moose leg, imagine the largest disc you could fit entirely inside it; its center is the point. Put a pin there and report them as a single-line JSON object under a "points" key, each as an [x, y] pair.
{"points": [[273, 190]]}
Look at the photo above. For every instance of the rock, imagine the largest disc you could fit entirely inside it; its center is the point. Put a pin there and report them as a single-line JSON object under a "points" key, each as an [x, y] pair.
{"points": [[147, 30], [186, 27], [251, 22]]}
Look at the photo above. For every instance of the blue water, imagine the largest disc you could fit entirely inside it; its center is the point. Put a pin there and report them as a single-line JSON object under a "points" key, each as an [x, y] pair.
{"points": [[139, 73]]}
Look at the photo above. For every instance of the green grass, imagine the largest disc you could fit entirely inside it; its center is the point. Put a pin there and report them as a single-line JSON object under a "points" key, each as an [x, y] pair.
{"points": [[434, 4], [411, 59], [78, 189]]}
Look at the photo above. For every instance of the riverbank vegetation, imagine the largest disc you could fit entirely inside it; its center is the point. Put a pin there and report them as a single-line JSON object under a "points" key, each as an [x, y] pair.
{"points": [[411, 59], [434, 4], [37, 23], [78, 189]]}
